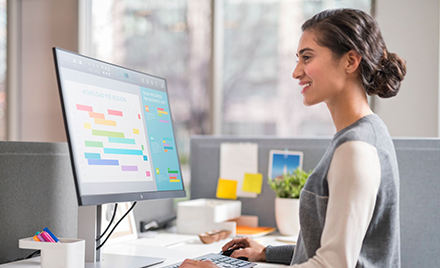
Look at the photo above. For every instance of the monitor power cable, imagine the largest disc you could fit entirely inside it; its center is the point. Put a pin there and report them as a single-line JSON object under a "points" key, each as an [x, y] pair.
{"points": [[116, 225], [110, 223]]}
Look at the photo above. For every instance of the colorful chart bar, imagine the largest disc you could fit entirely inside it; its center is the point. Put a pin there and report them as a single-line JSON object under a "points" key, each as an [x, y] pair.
{"points": [[122, 151], [135, 131], [104, 122], [129, 168], [84, 108], [96, 115], [174, 180], [87, 126], [92, 155], [162, 112], [96, 144], [148, 173], [164, 121], [145, 158], [103, 162], [160, 109], [172, 171], [166, 144], [142, 147], [167, 139], [168, 148], [121, 140], [107, 133], [114, 112]]}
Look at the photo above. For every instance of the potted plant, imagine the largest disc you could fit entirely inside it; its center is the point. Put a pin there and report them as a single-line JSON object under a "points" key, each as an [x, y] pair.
{"points": [[288, 188]]}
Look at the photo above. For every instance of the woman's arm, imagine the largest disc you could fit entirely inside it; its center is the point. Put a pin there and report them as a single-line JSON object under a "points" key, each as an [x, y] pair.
{"points": [[353, 180]]}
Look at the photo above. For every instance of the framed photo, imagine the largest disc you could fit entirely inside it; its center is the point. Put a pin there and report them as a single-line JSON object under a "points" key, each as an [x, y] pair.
{"points": [[126, 230], [281, 162]]}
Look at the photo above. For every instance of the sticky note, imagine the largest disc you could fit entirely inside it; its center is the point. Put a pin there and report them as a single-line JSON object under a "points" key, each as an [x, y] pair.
{"points": [[253, 183], [135, 131], [226, 189], [236, 159]]}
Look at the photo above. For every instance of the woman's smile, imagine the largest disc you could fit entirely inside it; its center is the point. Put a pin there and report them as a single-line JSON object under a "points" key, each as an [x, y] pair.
{"points": [[305, 86]]}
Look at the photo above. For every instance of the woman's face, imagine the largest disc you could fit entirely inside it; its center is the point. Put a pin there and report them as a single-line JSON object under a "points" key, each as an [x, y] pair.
{"points": [[320, 75]]}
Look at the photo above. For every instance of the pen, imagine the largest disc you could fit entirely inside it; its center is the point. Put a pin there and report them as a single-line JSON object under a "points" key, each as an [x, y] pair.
{"points": [[47, 237], [36, 237], [51, 235], [40, 237]]}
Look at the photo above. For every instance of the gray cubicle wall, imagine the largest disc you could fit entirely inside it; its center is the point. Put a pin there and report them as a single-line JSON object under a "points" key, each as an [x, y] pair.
{"points": [[37, 190], [419, 167]]}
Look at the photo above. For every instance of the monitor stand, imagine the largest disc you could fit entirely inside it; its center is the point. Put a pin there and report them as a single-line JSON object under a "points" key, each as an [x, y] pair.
{"points": [[89, 228]]}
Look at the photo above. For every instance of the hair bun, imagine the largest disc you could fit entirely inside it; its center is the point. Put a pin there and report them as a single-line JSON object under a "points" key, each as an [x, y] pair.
{"points": [[385, 82]]}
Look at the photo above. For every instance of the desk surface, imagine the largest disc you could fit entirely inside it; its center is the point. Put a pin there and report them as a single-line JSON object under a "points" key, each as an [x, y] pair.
{"points": [[173, 247]]}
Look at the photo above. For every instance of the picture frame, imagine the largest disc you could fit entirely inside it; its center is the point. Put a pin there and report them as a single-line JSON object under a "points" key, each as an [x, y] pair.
{"points": [[283, 161], [126, 230]]}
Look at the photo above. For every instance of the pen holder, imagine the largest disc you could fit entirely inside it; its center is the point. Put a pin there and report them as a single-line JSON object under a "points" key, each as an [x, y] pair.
{"points": [[67, 254]]}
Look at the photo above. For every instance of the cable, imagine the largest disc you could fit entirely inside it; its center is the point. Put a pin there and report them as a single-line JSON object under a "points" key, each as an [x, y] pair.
{"points": [[34, 253], [110, 223], [108, 236]]}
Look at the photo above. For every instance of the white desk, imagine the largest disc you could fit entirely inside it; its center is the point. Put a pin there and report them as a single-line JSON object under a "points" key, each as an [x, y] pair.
{"points": [[184, 247]]}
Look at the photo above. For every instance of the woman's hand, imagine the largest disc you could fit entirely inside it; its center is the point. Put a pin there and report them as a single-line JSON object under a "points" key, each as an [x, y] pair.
{"points": [[246, 247], [188, 263]]}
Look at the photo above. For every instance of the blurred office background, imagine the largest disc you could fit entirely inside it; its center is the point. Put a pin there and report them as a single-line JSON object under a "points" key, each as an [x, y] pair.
{"points": [[228, 63]]}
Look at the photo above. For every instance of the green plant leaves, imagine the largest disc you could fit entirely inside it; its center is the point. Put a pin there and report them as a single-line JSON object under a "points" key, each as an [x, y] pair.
{"points": [[289, 185]]}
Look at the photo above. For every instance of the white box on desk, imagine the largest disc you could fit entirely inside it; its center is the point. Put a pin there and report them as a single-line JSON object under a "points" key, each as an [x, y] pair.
{"points": [[203, 215], [68, 253]]}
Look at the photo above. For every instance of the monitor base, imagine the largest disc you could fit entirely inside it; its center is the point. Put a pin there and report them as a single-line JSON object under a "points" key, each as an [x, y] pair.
{"points": [[118, 261]]}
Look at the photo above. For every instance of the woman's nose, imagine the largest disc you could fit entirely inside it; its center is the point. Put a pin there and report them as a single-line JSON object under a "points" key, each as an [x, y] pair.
{"points": [[298, 72]]}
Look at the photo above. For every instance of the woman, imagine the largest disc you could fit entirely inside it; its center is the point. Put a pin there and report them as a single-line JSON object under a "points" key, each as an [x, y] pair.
{"points": [[349, 207]]}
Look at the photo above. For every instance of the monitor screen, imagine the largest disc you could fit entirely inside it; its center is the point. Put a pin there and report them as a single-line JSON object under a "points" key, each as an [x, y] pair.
{"points": [[120, 131]]}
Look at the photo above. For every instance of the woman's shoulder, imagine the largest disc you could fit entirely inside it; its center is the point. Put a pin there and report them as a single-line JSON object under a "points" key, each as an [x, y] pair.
{"points": [[365, 129]]}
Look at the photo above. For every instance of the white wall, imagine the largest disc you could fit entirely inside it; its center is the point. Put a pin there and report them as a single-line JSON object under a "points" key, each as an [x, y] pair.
{"points": [[34, 104], [411, 29]]}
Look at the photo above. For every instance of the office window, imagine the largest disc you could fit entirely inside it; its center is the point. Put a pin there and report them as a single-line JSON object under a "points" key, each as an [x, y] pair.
{"points": [[170, 39], [2, 69], [259, 95]]}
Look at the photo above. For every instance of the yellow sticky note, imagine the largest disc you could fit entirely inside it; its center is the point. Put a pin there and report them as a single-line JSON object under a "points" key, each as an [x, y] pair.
{"points": [[135, 131], [253, 183], [226, 189], [87, 126]]}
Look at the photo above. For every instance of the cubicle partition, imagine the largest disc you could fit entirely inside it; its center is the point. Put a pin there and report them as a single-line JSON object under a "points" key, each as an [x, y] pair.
{"points": [[37, 190], [419, 167]]}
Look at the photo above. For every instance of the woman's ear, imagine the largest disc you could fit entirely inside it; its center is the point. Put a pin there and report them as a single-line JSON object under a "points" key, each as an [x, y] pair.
{"points": [[353, 61]]}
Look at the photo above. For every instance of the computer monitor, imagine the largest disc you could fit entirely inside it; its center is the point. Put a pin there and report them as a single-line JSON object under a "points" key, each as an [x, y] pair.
{"points": [[120, 132]]}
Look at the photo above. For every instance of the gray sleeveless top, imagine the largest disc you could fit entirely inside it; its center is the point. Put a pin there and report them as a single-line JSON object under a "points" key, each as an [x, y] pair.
{"points": [[381, 245]]}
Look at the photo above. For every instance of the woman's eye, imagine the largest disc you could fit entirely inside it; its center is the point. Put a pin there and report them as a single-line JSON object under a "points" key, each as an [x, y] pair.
{"points": [[306, 58]]}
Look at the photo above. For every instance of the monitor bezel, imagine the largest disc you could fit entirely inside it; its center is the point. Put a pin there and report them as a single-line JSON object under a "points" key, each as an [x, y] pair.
{"points": [[88, 200]]}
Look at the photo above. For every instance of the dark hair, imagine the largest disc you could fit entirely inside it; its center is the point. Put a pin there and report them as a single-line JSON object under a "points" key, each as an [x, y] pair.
{"points": [[342, 30]]}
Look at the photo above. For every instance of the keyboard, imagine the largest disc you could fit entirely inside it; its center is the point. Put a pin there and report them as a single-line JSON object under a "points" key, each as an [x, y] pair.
{"points": [[220, 260]]}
